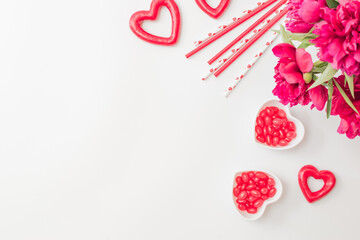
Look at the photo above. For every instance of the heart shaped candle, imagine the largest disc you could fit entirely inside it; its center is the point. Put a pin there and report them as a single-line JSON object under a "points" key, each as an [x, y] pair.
{"points": [[310, 171], [253, 191], [138, 17], [212, 12], [276, 128]]}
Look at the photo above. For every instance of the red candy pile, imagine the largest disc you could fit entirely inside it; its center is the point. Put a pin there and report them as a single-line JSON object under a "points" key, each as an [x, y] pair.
{"points": [[252, 189], [273, 127]]}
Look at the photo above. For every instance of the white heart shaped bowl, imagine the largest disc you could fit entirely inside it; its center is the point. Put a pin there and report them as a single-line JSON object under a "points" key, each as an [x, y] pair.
{"points": [[300, 130], [261, 210]]}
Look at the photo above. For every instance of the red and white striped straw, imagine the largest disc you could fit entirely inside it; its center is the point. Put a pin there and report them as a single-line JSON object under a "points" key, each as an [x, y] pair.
{"points": [[230, 27], [250, 42], [249, 29], [222, 27], [241, 43], [249, 66]]}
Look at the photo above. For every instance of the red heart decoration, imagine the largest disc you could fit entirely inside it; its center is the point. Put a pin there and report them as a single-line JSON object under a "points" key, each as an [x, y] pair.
{"points": [[138, 17], [212, 12], [310, 171]]}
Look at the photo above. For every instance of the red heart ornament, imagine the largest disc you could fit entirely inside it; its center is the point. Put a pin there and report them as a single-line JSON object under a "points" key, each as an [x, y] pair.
{"points": [[212, 12], [138, 17], [310, 171]]}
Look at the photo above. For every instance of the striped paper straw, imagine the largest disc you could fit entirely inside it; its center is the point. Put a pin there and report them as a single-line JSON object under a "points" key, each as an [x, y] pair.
{"points": [[237, 22], [233, 51], [222, 27], [246, 69], [250, 42]]}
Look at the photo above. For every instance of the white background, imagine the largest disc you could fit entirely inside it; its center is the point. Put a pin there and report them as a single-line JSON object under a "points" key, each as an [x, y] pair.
{"points": [[105, 136]]}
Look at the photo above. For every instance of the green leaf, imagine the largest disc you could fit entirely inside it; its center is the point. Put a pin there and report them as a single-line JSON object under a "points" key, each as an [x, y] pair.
{"points": [[332, 3], [326, 76], [320, 64], [328, 108], [350, 81], [301, 36], [277, 31], [346, 98], [318, 70], [329, 101], [285, 38], [304, 45]]}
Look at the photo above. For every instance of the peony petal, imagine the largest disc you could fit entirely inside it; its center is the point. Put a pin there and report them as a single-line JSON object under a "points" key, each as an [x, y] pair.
{"points": [[284, 50], [319, 97], [343, 127], [291, 73], [309, 11], [357, 55], [304, 60]]}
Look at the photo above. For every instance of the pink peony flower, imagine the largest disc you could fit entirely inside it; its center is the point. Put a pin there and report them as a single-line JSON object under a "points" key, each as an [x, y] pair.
{"points": [[350, 120], [303, 14], [339, 37], [291, 87]]}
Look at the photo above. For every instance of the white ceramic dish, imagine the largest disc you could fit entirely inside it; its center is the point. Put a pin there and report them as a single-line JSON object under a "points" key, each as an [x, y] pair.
{"points": [[300, 130], [261, 210]]}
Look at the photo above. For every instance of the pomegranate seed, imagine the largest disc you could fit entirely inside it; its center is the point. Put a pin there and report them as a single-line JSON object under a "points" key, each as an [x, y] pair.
{"points": [[250, 187], [265, 132], [265, 197], [260, 121], [236, 192], [258, 130], [271, 182], [282, 113], [269, 111], [245, 177], [275, 109], [291, 135], [240, 201], [283, 143], [291, 126], [262, 184], [268, 140], [258, 203], [261, 139], [267, 120], [275, 141], [252, 210], [238, 180], [242, 207], [251, 198], [263, 113], [277, 122], [282, 134], [263, 191], [270, 130], [261, 175], [242, 195], [272, 192], [255, 193]]}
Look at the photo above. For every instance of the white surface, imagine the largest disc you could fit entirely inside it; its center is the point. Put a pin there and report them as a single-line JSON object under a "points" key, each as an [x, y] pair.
{"points": [[104, 136]]}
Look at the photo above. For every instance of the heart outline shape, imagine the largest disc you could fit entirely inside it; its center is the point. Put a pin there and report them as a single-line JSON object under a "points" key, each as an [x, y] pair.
{"points": [[138, 17], [310, 171], [212, 12], [300, 129], [261, 210]]}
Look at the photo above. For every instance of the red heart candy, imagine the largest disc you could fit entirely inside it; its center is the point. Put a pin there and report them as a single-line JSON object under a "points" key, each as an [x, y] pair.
{"points": [[310, 171], [212, 12], [138, 17]]}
